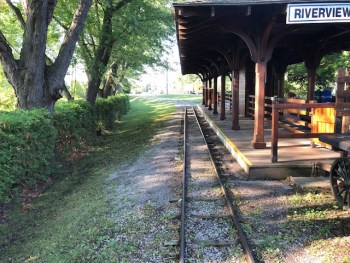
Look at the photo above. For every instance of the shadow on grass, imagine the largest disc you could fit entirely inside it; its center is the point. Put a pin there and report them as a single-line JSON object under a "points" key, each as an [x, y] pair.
{"points": [[71, 221]]}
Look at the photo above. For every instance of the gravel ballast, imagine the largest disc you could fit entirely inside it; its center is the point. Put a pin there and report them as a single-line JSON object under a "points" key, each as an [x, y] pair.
{"points": [[284, 223]]}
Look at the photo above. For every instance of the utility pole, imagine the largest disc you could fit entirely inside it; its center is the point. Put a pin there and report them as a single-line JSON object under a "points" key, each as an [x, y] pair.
{"points": [[166, 82]]}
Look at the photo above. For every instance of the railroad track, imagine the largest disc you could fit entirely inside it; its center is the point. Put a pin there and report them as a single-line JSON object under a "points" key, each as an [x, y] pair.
{"points": [[210, 227]]}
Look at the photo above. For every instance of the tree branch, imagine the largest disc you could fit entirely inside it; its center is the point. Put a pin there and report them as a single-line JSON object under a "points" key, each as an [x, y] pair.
{"points": [[65, 54], [51, 7], [7, 59], [120, 5], [65, 27], [93, 42], [97, 13], [84, 46], [17, 12]]}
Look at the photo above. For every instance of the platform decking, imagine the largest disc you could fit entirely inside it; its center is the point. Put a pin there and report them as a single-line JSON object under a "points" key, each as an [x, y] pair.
{"points": [[295, 156]]}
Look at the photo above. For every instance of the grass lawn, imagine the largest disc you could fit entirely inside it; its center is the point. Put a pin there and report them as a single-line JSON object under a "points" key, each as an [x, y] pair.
{"points": [[71, 221], [189, 98]]}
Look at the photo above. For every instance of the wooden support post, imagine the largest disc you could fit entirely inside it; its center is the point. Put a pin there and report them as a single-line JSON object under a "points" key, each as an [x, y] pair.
{"points": [[261, 45], [223, 96], [235, 99], [342, 72], [210, 95], [259, 114], [215, 99], [274, 132], [314, 127], [280, 85], [249, 86], [203, 94], [206, 94], [311, 76]]}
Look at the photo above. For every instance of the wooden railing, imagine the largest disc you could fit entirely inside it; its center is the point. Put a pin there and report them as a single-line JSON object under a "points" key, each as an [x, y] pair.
{"points": [[268, 103], [275, 135], [324, 116], [228, 97]]}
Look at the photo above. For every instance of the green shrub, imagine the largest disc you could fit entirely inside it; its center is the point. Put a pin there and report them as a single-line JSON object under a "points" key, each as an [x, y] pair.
{"points": [[110, 109], [27, 141], [75, 124]]}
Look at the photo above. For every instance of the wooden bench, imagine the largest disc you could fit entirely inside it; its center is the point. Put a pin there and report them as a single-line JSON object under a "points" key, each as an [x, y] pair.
{"points": [[339, 142]]}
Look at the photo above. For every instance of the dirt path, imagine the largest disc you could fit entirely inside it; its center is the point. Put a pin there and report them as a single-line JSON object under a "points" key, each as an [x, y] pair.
{"points": [[145, 195]]}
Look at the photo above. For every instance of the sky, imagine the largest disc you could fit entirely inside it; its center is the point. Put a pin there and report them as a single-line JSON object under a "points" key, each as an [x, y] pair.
{"points": [[159, 78]]}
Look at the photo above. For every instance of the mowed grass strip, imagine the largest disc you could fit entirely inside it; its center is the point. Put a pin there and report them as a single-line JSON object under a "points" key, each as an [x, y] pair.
{"points": [[186, 98], [72, 221]]}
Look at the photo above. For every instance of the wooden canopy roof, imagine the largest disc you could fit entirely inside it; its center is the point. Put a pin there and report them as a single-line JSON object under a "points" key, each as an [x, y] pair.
{"points": [[245, 2], [216, 36]]}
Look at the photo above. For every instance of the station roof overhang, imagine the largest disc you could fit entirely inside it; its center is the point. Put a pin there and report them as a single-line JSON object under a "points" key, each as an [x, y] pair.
{"points": [[211, 33]]}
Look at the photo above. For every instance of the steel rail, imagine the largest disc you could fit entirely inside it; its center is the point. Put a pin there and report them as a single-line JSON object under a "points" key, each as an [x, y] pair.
{"points": [[183, 201], [233, 213]]}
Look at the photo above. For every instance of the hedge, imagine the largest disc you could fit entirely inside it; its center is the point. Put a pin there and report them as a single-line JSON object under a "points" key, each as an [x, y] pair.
{"points": [[75, 125], [27, 141], [31, 141], [107, 110]]}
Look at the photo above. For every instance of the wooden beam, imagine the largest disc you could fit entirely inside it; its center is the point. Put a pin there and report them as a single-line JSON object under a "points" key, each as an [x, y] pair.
{"points": [[210, 95], [235, 99], [206, 94], [223, 96], [311, 76], [203, 94], [258, 136], [274, 132], [215, 99], [283, 106], [343, 79]]}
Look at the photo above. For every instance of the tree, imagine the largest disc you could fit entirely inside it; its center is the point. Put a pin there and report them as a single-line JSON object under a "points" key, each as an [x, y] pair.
{"points": [[120, 38], [325, 75], [38, 82]]}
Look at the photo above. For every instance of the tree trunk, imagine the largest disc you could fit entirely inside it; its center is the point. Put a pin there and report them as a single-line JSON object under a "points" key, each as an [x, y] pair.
{"points": [[66, 93], [93, 88], [31, 76], [36, 84], [101, 58], [103, 52], [110, 80]]}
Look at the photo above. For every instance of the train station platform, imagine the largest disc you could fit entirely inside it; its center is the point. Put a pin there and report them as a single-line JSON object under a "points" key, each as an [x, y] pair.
{"points": [[295, 156]]}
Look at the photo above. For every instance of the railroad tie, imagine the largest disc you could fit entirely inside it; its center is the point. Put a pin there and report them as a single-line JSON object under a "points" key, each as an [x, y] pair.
{"points": [[216, 243]]}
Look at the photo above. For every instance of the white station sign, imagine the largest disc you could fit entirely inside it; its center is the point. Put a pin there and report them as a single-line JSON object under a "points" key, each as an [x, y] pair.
{"points": [[318, 13]]}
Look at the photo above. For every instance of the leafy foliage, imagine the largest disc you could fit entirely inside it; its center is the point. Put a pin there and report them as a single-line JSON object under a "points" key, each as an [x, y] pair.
{"points": [[27, 141], [110, 109], [7, 95], [75, 126], [40, 81], [297, 79], [30, 141], [73, 222], [142, 27], [11, 27], [136, 34]]}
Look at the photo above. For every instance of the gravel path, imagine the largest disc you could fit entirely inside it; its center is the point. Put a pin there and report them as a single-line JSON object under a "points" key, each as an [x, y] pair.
{"points": [[145, 194]]}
